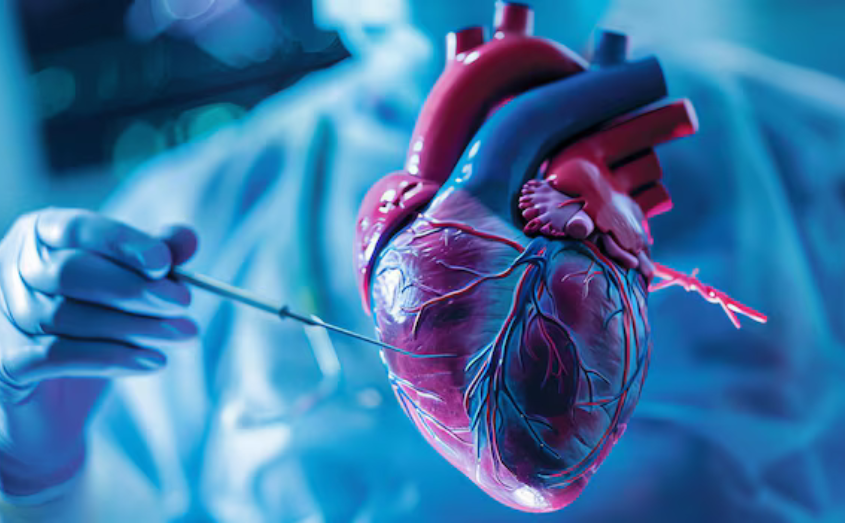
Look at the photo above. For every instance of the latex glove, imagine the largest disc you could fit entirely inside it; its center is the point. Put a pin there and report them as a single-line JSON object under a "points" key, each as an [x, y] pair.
{"points": [[83, 298]]}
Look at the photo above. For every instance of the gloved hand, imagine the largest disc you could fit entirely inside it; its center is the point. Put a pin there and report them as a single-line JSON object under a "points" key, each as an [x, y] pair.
{"points": [[83, 298]]}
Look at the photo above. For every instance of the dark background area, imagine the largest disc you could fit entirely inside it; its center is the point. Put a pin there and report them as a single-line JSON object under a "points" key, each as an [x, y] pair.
{"points": [[117, 81]]}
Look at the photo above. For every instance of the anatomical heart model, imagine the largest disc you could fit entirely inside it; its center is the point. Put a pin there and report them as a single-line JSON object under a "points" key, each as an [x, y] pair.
{"points": [[509, 261]]}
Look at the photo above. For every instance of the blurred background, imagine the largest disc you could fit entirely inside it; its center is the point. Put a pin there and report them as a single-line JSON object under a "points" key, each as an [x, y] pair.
{"points": [[89, 89], [109, 84]]}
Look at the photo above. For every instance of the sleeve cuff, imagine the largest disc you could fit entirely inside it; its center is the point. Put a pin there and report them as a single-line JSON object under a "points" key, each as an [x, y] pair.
{"points": [[64, 503]]}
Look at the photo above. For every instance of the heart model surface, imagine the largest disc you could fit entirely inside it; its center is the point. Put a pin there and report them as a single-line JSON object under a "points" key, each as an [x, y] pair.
{"points": [[510, 260]]}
